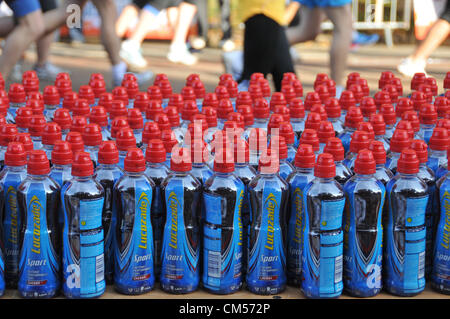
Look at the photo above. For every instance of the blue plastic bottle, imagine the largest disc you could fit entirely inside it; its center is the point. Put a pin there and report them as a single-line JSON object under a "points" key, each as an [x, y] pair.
{"points": [[269, 193], [51, 134], [352, 119], [407, 197], [107, 173], [437, 154], [382, 173], [12, 175], [180, 255], [287, 132], [51, 101], [35, 128], [359, 141], [133, 247], [2, 272], [38, 197], [334, 147], [125, 141], [223, 196], [362, 229], [400, 140], [428, 118], [443, 170], [136, 122], [83, 262], [325, 132], [92, 138], [322, 255], [279, 145], [297, 180]]}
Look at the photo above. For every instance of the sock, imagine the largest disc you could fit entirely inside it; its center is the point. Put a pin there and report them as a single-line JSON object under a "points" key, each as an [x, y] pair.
{"points": [[119, 70]]}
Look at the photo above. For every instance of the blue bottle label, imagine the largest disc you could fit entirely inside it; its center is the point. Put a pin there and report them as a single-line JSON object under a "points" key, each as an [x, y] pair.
{"points": [[345, 137], [441, 262], [2, 274], [84, 270], [267, 259], [180, 248], [11, 226], [322, 263], [405, 255], [222, 257], [134, 272], [363, 238], [39, 264], [431, 216]]}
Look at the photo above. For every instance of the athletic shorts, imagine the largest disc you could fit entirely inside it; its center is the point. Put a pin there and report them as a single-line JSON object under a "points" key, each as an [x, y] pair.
{"points": [[446, 14], [22, 8], [324, 3]]}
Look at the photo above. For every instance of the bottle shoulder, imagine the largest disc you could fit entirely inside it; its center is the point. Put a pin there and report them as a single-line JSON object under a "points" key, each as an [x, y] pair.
{"points": [[89, 188], [413, 186], [187, 180], [261, 181], [126, 181], [218, 181], [331, 189]]}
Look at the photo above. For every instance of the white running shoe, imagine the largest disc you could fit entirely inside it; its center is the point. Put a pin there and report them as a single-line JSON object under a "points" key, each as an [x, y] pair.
{"points": [[131, 53], [181, 56], [142, 78], [227, 45], [49, 71], [409, 68]]}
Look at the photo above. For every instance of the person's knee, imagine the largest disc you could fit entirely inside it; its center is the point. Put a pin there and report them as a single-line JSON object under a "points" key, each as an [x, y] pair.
{"points": [[34, 24]]}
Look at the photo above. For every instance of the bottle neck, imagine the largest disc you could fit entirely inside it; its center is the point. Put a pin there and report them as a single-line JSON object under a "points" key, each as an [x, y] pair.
{"points": [[83, 178], [16, 168], [107, 166], [326, 179], [304, 170], [404, 175], [240, 165], [198, 165], [38, 177], [134, 174], [155, 165], [364, 176], [61, 167]]}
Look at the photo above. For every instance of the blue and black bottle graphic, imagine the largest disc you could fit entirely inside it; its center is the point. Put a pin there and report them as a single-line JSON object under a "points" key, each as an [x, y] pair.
{"points": [[38, 199], [362, 229], [2, 272], [180, 254], [322, 257], [83, 262], [407, 196], [134, 266], [266, 273]]}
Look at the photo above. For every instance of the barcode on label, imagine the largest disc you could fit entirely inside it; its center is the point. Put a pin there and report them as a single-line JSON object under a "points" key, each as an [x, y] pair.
{"points": [[338, 269], [214, 264], [421, 273], [99, 268]]}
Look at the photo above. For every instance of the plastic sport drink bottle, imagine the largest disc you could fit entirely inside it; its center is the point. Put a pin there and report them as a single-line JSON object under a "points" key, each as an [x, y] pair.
{"points": [[352, 119], [2, 272], [133, 248], [362, 229], [51, 134], [439, 143], [297, 180], [407, 197], [180, 271], [324, 202], [155, 157], [222, 243], [382, 173], [11, 177], [38, 199], [428, 118], [7, 133], [431, 215], [125, 141], [400, 141], [335, 148], [83, 260], [268, 230], [51, 102]]}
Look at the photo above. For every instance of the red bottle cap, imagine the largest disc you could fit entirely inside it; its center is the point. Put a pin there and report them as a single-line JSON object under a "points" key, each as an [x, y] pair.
{"points": [[403, 105], [190, 109], [180, 160], [289, 92], [368, 106], [365, 163], [311, 99], [405, 125], [426, 89], [120, 94], [241, 151], [141, 101], [135, 119], [30, 85], [439, 140], [408, 163], [188, 93], [255, 91], [166, 89], [25, 139], [199, 89], [108, 153], [357, 92], [117, 124], [378, 151], [199, 151], [172, 114], [325, 167], [447, 81], [298, 87], [428, 114], [333, 108], [38, 163], [163, 121], [96, 77], [392, 91], [247, 112], [310, 137], [29, 74], [421, 149], [257, 140], [86, 92], [431, 82], [398, 85], [261, 109], [313, 121], [134, 161], [211, 100], [154, 93], [347, 100], [305, 157], [225, 107], [159, 78], [36, 106], [442, 105], [244, 98], [334, 147], [236, 117], [418, 99], [224, 77], [364, 86], [331, 85], [154, 108], [378, 124], [98, 87], [81, 108], [211, 116], [62, 153], [200, 119], [443, 123], [353, 117], [16, 93], [36, 126], [221, 92], [387, 110], [321, 78], [283, 111], [224, 161], [274, 123], [51, 134], [92, 135], [360, 140], [381, 97], [288, 78], [367, 127], [15, 154], [191, 78], [385, 78], [296, 108], [132, 88], [82, 165], [78, 124], [155, 152], [23, 116], [277, 99], [287, 132], [169, 139], [269, 163], [125, 139], [417, 80], [318, 108], [400, 140], [99, 116], [118, 109], [324, 95], [151, 131], [413, 118], [325, 131], [69, 100], [76, 142]]}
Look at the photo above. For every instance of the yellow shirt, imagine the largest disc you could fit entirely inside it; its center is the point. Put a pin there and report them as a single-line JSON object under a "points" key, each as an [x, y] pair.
{"points": [[274, 9]]}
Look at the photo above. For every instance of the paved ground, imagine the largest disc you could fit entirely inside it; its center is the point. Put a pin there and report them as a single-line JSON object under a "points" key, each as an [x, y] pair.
{"points": [[369, 61]]}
